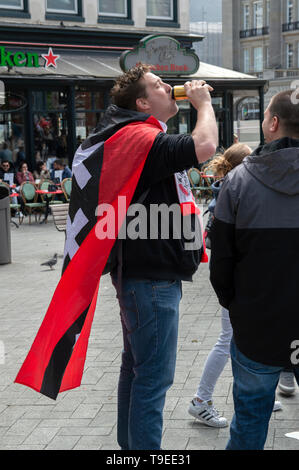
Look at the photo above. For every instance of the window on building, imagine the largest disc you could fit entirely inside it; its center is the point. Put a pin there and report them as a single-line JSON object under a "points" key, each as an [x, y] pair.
{"points": [[159, 9], [246, 17], [113, 8], [90, 107], [290, 55], [62, 6], [258, 59], [258, 14], [290, 11], [12, 4], [50, 124], [267, 57], [268, 13], [14, 8], [12, 120], [246, 58]]}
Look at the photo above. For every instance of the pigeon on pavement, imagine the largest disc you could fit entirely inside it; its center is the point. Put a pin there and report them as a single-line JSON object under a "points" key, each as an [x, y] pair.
{"points": [[51, 262]]}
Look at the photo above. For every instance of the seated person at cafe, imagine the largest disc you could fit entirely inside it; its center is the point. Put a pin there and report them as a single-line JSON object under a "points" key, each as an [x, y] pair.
{"points": [[8, 173], [23, 174], [41, 171], [60, 171]]}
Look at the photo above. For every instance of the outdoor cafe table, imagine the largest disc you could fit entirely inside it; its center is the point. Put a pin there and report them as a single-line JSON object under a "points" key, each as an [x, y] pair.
{"points": [[45, 192], [209, 176]]}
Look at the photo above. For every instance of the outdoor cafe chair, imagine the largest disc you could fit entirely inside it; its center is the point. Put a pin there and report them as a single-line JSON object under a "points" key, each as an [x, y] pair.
{"points": [[198, 185], [29, 196], [66, 186]]}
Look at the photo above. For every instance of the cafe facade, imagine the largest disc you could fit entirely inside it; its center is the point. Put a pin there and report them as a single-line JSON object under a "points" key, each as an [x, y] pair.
{"points": [[55, 87]]}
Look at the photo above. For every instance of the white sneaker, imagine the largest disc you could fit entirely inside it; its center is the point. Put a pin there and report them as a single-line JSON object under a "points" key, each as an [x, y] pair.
{"points": [[207, 414], [277, 406], [286, 383]]}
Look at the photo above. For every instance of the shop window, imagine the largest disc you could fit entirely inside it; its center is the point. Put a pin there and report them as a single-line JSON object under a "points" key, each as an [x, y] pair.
{"points": [[12, 135], [50, 125], [180, 123], [86, 122], [89, 110], [50, 131], [217, 103], [69, 10], [162, 13], [115, 11], [49, 100], [15, 8]]}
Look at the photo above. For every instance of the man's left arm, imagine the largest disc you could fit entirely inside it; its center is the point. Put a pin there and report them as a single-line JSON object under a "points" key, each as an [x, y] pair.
{"points": [[223, 253]]}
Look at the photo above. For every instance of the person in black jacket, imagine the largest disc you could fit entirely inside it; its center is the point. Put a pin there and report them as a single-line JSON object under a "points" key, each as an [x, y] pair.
{"points": [[8, 172], [149, 291], [254, 269]]}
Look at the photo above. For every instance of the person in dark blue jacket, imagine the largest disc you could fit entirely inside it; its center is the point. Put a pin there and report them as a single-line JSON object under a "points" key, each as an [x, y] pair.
{"points": [[60, 171]]}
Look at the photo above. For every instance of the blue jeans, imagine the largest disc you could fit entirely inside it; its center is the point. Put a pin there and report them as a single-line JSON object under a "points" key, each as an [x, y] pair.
{"points": [[149, 314], [254, 395]]}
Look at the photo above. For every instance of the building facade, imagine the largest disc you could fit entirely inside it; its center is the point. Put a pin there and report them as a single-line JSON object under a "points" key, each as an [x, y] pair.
{"points": [[59, 60], [262, 38], [210, 48], [57, 64]]}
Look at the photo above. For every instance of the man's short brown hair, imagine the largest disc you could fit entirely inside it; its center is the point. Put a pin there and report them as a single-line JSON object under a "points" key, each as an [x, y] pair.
{"points": [[129, 86], [285, 105]]}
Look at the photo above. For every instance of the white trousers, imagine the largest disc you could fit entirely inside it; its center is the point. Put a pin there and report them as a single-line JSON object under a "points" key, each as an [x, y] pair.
{"points": [[216, 359]]}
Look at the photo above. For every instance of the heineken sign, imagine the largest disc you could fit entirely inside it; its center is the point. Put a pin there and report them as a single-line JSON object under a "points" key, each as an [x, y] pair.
{"points": [[164, 54], [26, 59]]}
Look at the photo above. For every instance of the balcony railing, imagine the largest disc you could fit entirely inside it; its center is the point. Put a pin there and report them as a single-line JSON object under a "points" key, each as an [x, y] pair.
{"points": [[290, 26], [248, 33], [285, 73]]}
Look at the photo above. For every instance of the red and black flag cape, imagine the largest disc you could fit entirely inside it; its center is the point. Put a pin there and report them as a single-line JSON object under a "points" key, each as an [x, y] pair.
{"points": [[107, 165]]}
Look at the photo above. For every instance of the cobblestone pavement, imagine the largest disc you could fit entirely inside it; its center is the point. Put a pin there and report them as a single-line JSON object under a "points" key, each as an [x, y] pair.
{"points": [[85, 418]]}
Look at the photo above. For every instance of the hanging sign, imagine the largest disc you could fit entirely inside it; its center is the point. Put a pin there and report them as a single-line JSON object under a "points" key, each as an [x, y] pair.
{"points": [[164, 54]]}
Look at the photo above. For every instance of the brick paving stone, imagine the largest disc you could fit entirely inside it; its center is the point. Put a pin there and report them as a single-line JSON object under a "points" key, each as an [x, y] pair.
{"points": [[85, 418], [88, 443], [84, 431], [41, 436], [85, 411], [23, 427], [104, 418], [62, 443]]}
